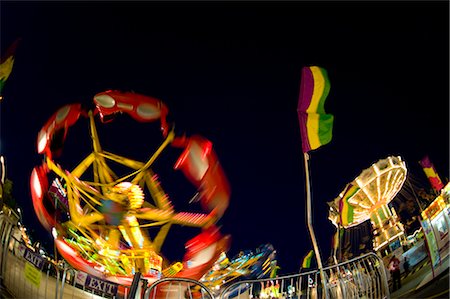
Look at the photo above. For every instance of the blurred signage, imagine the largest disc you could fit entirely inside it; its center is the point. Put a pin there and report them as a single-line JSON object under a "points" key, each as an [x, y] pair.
{"points": [[32, 274], [96, 284], [430, 237], [58, 193], [34, 258]]}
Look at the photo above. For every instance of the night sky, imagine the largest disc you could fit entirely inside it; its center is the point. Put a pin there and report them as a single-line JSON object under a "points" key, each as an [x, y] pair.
{"points": [[230, 71]]}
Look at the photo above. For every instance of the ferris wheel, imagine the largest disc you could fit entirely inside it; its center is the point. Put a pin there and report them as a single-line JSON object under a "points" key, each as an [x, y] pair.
{"points": [[101, 218]]}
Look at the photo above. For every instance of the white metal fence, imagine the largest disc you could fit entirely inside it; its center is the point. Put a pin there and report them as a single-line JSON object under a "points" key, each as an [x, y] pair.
{"points": [[362, 277], [28, 275], [24, 280], [178, 288]]}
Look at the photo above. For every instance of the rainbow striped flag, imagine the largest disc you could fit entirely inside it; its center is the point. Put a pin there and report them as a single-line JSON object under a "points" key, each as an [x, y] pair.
{"points": [[307, 259], [315, 125], [7, 62], [346, 209], [431, 173]]}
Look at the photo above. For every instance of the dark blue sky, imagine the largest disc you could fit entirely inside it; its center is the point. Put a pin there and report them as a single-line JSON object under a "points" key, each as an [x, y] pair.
{"points": [[230, 71]]}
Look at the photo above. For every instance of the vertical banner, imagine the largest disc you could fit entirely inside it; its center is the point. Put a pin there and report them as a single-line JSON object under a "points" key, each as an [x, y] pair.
{"points": [[345, 208], [6, 64], [431, 174], [431, 241], [307, 260], [316, 126]]}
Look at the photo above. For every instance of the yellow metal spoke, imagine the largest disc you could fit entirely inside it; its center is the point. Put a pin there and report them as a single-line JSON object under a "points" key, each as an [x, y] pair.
{"points": [[161, 236], [133, 164], [140, 173], [83, 166]]}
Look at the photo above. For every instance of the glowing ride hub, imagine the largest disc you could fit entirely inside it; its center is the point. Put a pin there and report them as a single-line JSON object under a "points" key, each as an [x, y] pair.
{"points": [[100, 218]]}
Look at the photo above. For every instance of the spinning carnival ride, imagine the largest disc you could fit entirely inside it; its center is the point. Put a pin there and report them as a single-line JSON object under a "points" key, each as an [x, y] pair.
{"points": [[367, 197], [101, 219], [247, 265]]}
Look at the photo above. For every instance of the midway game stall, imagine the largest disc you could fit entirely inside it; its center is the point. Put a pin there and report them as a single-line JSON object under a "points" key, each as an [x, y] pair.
{"points": [[435, 223]]}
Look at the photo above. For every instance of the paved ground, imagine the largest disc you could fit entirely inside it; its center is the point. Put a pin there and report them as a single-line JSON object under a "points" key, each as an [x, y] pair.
{"points": [[422, 277]]}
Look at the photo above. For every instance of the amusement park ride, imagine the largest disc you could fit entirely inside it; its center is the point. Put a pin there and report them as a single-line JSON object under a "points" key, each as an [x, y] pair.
{"points": [[367, 197], [100, 218]]}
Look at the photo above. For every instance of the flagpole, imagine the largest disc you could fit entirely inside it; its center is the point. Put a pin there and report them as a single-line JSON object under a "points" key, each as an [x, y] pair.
{"points": [[335, 246], [309, 222], [339, 243]]}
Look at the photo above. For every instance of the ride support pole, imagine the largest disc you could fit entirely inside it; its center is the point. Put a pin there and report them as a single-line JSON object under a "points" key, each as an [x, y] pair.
{"points": [[134, 285]]}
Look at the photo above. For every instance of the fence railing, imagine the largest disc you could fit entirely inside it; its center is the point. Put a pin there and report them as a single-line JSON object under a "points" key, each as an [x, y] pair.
{"points": [[44, 279], [361, 277], [178, 288], [28, 275]]}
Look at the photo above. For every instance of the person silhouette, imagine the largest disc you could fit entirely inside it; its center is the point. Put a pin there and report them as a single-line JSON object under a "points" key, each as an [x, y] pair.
{"points": [[406, 265], [394, 268]]}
